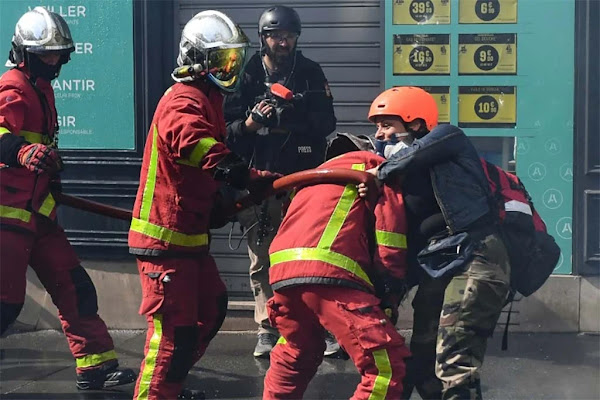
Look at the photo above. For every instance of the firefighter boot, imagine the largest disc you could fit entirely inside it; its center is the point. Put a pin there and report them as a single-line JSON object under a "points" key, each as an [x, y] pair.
{"points": [[107, 375]]}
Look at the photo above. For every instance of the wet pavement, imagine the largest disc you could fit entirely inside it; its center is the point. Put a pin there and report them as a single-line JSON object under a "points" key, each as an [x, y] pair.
{"points": [[38, 365]]}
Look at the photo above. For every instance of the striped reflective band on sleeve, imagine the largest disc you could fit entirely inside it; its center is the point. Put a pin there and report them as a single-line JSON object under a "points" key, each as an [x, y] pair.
{"points": [[323, 255], [31, 137], [167, 235], [148, 194], [384, 375], [203, 147], [47, 206], [390, 239], [15, 213], [340, 213], [91, 360], [150, 359]]}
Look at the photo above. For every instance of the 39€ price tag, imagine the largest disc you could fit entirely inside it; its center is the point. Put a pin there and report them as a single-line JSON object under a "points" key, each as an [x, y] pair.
{"points": [[420, 12], [441, 94], [487, 11], [487, 54], [421, 55], [487, 106]]}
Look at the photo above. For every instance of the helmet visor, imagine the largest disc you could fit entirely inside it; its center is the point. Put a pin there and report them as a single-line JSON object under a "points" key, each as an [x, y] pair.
{"points": [[226, 65]]}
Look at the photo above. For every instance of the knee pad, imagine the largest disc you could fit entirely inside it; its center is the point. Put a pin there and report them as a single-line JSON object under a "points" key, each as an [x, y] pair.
{"points": [[8, 314], [87, 299], [186, 340], [222, 307]]}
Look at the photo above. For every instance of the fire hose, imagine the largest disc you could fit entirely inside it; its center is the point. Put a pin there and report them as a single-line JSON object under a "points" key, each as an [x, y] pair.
{"points": [[337, 176]]}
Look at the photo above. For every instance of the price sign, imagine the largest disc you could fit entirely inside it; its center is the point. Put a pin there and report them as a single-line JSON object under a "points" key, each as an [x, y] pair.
{"points": [[421, 55], [441, 94], [417, 12], [487, 54], [487, 107], [487, 11]]}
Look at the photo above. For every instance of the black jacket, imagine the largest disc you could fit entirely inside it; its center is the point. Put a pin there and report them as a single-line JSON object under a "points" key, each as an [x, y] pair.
{"points": [[300, 141]]}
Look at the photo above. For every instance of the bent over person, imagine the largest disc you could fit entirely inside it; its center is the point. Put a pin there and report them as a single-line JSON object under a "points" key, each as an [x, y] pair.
{"points": [[278, 136], [29, 232], [456, 252], [336, 263], [185, 159]]}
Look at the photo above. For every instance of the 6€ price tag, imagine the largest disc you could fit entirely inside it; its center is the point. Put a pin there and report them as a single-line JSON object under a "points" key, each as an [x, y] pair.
{"points": [[487, 11]]}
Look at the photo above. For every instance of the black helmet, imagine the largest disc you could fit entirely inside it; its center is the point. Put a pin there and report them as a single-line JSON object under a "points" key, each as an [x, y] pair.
{"points": [[346, 142], [279, 18]]}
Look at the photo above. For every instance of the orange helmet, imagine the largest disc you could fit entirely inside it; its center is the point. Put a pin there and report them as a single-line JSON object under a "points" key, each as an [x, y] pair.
{"points": [[408, 103]]}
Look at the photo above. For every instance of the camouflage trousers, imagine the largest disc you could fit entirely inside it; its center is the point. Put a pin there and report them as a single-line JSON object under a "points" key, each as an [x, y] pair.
{"points": [[453, 318]]}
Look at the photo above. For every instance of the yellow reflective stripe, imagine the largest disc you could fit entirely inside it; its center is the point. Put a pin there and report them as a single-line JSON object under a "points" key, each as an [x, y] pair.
{"points": [[340, 213], [15, 213], [327, 256], [167, 235], [384, 375], [203, 147], [150, 359], [148, 194], [91, 360], [47, 206], [281, 340], [390, 239], [32, 137]]}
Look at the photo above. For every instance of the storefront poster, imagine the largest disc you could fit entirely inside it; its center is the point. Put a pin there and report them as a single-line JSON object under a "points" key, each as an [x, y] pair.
{"points": [[94, 92]]}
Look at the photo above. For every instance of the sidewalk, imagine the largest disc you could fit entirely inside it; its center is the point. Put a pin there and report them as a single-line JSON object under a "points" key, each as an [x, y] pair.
{"points": [[37, 365]]}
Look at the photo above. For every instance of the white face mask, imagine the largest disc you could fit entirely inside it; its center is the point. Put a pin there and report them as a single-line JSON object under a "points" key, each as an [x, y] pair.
{"points": [[386, 148], [393, 148]]}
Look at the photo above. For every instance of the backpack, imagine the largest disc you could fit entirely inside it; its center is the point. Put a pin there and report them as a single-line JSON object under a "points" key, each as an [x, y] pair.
{"points": [[532, 252]]}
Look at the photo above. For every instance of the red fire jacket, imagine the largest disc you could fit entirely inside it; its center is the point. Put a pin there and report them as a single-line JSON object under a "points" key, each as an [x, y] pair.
{"points": [[177, 191], [331, 236], [24, 113]]}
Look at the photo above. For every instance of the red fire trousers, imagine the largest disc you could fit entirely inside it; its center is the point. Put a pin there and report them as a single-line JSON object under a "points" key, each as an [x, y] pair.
{"points": [[355, 319], [185, 301], [51, 256]]}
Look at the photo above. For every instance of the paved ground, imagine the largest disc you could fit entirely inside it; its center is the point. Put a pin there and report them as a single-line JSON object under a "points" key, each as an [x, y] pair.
{"points": [[37, 365]]}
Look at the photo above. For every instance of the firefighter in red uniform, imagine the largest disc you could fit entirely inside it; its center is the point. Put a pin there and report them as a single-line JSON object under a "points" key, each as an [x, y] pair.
{"points": [[30, 235], [334, 262], [185, 161]]}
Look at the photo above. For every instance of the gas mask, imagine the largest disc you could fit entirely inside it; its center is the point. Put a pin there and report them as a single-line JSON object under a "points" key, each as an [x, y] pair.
{"points": [[387, 148]]}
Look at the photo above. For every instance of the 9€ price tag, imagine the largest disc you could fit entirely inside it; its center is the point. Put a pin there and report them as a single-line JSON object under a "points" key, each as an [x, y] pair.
{"points": [[487, 54], [487, 107], [417, 12], [487, 11], [421, 55]]}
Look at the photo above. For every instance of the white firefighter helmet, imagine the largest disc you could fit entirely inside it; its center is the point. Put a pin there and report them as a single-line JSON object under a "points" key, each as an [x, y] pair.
{"points": [[212, 40], [40, 31]]}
